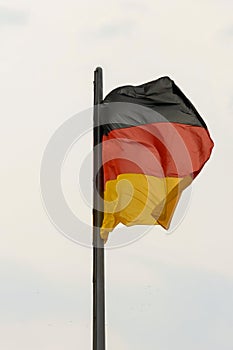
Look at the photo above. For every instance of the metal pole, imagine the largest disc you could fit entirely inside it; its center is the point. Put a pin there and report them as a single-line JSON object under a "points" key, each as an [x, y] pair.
{"points": [[98, 243]]}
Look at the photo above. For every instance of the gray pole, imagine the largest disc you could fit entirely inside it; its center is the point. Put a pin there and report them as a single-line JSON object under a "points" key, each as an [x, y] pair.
{"points": [[98, 243]]}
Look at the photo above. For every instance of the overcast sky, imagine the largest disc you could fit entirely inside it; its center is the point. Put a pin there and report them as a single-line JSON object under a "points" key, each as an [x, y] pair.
{"points": [[164, 291]]}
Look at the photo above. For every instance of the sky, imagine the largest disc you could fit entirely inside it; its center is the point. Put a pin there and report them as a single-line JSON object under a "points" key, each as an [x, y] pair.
{"points": [[162, 291]]}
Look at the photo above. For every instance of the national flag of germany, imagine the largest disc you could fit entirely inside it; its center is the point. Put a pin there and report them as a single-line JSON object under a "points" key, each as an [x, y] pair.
{"points": [[154, 143]]}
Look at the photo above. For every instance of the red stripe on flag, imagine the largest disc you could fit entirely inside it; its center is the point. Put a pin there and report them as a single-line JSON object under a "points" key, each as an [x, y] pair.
{"points": [[158, 149]]}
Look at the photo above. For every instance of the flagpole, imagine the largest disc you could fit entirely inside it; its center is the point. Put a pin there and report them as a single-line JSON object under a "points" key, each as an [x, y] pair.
{"points": [[98, 243]]}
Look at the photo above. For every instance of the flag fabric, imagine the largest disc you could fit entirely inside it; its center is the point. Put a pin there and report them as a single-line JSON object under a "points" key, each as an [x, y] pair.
{"points": [[154, 143]]}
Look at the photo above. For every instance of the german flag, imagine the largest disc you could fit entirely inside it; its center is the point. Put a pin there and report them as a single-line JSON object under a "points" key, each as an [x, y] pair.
{"points": [[154, 143]]}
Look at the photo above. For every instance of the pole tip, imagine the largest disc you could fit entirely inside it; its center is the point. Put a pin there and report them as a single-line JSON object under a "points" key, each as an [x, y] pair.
{"points": [[98, 69]]}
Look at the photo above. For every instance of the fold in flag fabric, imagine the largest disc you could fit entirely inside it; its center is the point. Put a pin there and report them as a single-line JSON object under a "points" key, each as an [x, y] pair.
{"points": [[154, 143]]}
